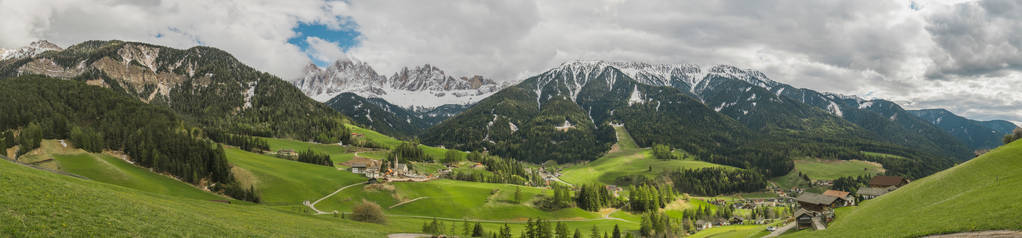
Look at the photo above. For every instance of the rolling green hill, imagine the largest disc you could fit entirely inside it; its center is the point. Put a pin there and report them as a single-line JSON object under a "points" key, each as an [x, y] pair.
{"points": [[105, 168], [285, 182], [981, 194], [627, 160], [39, 203]]}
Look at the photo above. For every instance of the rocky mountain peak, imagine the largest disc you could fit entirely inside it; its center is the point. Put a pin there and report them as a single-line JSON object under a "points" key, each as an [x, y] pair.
{"points": [[33, 49]]}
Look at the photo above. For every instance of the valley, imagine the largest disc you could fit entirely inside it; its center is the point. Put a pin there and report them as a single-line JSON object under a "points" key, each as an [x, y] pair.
{"points": [[114, 138]]}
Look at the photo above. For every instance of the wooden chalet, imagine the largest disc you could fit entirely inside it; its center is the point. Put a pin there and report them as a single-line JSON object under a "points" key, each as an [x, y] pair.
{"points": [[804, 218], [844, 198], [816, 202], [872, 192]]}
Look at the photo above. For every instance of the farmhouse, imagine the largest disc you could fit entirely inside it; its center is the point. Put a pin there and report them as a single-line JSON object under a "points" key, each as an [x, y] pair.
{"points": [[871, 192], [844, 198], [358, 168], [816, 202], [804, 218], [703, 225], [887, 181]]}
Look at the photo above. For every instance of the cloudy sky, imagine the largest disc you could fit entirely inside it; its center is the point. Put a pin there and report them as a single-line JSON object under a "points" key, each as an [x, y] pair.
{"points": [[965, 56]]}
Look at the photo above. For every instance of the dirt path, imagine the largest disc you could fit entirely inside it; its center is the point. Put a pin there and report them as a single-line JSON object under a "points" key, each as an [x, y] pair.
{"points": [[977, 234], [313, 204], [406, 202]]}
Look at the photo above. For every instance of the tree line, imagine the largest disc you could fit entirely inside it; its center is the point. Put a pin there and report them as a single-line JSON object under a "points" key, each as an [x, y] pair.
{"points": [[715, 181], [243, 142]]}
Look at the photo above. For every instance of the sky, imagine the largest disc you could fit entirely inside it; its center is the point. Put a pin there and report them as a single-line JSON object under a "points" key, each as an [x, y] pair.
{"points": [[965, 56]]}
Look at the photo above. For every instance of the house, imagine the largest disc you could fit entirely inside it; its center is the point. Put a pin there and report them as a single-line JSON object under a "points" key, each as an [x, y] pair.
{"points": [[887, 181], [703, 225], [736, 220], [844, 198], [358, 168], [816, 202], [872, 192], [804, 218]]}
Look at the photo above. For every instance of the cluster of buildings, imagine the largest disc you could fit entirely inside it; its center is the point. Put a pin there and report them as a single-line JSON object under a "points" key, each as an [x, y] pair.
{"points": [[816, 210]]}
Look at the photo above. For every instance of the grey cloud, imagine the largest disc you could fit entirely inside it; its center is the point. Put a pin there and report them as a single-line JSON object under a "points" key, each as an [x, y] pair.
{"points": [[982, 38]]}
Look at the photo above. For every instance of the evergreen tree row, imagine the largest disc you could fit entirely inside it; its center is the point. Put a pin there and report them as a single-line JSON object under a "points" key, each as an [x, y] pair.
{"points": [[244, 142], [715, 181], [646, 198], [313, 157]]}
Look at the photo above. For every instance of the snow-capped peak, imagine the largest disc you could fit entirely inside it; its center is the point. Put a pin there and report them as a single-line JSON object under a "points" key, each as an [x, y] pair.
{"points": [[33, 49], [750, 76], [423, 86]]}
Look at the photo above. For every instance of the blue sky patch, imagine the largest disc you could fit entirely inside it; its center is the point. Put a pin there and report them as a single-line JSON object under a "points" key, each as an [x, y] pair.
{"points": [[346, 37]]}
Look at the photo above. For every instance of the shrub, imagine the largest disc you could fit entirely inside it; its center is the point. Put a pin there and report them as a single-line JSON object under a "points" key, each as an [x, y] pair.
{"points": [[368, 212]]}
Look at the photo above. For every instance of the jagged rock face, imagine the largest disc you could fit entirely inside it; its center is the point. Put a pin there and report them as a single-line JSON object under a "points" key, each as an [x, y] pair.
{"points": [[31, 50], [342, 76], [420, 87], [133, 66]]}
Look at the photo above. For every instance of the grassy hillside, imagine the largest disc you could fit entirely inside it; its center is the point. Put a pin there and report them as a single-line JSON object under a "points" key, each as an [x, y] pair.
{"points": [[981, 194], [818, 169], [40, 203], [736, 231], [281, 181], [387, 141], [454, 199], [337, 153], [109, 169], [625, 160]]}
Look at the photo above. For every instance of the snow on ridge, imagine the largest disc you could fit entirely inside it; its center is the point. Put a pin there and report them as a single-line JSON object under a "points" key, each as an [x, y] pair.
{"points": [[636, 97], [835, 109]]}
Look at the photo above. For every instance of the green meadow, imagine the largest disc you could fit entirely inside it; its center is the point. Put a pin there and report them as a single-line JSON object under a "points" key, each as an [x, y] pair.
{"points": [[627, 160], [982, 189]]}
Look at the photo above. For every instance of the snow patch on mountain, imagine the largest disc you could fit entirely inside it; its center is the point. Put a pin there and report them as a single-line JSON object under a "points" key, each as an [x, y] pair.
{"points": [[33, 49], [833, 108], [636, 97]]}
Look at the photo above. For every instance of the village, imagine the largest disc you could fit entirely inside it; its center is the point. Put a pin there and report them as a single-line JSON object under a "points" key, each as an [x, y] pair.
{"points": [[792, 208]]}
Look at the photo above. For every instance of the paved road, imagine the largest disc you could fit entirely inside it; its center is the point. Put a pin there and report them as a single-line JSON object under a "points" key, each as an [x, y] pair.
{"points": [[313, 204], [781, 230]]}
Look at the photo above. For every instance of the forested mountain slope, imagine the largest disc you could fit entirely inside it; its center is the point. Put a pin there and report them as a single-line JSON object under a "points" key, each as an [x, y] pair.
{"points": [[977, 134], [203, 84]]}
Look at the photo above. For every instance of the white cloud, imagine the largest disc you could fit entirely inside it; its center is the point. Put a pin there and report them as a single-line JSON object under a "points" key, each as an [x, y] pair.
{"points": [[323, 50], [924, 53], [256, 32]]}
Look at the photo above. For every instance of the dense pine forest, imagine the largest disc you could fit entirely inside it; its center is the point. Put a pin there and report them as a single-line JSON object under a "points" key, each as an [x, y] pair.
{"points": [[97, 119]]}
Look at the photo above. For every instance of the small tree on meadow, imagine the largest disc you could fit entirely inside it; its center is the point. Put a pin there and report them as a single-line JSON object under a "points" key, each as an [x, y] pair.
{"points": [[368, 212]]}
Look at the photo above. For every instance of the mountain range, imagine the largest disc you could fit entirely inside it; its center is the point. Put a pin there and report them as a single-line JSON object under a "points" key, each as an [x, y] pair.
{"points": [[976, 134], [423, 86]]}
